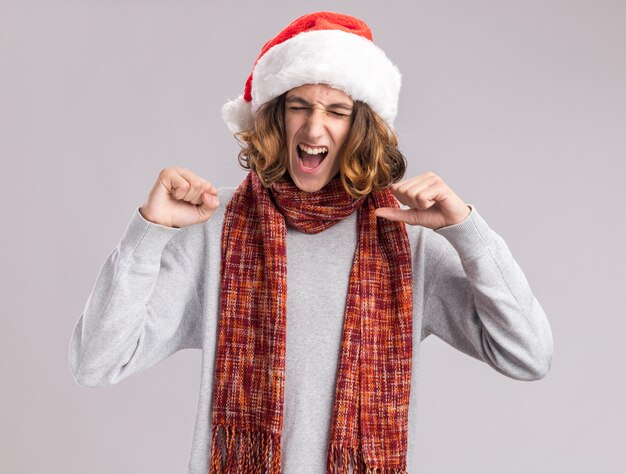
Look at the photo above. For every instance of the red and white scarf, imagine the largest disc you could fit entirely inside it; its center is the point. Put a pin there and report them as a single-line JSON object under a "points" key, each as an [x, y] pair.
{"points": [[370, 414]]}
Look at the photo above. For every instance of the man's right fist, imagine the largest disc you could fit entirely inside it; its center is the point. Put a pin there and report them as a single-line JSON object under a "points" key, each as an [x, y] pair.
{"points": [[180, 198]]}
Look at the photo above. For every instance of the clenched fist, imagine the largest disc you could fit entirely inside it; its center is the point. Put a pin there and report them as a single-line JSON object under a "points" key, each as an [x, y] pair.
{"points": [[180, 198], [432, 203]]}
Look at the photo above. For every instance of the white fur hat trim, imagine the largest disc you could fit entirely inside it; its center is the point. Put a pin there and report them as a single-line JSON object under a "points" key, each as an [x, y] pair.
{"points": [[345, 61]]}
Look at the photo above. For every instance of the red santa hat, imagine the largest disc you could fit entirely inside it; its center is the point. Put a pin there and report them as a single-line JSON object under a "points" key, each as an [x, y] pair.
{"points": [[319, 48]]}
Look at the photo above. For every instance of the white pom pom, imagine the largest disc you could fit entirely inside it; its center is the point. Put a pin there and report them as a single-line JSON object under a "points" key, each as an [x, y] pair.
{"points": [[237, 114]]}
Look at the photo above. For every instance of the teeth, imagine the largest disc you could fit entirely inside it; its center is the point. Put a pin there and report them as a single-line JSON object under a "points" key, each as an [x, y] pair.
{"points": [[313, 151]]}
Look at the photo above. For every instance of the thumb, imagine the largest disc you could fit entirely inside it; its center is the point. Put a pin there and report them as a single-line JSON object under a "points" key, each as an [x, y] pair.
{"points": [[395, 214], [210, 202]]}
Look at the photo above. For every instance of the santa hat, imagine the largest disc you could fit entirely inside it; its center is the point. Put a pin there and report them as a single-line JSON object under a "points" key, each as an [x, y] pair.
{"points": [[321, 47]]}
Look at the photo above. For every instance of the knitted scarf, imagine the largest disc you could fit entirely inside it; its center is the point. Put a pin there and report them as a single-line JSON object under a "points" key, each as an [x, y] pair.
{"points": [[370, 413]]}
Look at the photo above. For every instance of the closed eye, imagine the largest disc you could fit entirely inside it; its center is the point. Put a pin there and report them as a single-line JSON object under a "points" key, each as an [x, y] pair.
{"points": [[332, 112]]}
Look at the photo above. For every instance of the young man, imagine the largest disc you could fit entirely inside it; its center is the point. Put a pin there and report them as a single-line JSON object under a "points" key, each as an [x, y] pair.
{"points": [[307, 287]]}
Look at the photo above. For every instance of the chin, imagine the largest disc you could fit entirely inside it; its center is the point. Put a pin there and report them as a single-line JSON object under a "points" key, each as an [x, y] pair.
{"points": [[311, 187], [310, 183]]}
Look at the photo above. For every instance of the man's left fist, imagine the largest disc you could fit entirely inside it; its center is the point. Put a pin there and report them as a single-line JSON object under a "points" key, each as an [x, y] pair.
{"points": [[433, 204]]}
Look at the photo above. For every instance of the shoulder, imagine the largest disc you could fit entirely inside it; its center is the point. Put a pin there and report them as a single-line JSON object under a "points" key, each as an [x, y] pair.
{"points": [[427, 247], [470, 236], [461, 242], [225, 194], [192, 240]]}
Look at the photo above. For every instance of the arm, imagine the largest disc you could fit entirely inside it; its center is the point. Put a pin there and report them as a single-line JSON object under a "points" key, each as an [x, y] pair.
{"points": [[481, 303], [143, 307]]}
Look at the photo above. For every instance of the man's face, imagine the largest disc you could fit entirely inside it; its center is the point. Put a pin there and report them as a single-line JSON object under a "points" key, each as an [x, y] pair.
{"points": [[317, 123]]}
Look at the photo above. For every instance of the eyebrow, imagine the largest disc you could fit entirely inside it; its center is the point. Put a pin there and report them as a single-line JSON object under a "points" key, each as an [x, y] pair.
{"points": [[336, 105]]}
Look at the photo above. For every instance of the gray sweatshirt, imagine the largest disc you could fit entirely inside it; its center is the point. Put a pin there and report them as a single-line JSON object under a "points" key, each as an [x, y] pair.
{"points": [[158, 292]]}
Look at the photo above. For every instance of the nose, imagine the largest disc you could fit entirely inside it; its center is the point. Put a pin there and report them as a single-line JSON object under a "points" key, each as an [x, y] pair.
{"points": [[315, 123]]}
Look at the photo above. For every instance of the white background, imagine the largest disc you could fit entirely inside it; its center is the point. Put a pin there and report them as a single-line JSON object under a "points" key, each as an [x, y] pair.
{"points": [[519, 106]]}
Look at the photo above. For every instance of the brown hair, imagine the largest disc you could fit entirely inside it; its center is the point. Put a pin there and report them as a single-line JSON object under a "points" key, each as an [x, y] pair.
{"points": [[370, 158]]}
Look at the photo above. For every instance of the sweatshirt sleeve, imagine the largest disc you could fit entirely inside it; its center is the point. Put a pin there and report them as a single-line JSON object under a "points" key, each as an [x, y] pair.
{"points": [[481, 303], [144, 307]]}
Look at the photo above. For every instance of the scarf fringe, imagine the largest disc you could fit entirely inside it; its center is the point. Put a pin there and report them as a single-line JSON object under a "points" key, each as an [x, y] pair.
{"points": [[235, 450], [342, 458]]}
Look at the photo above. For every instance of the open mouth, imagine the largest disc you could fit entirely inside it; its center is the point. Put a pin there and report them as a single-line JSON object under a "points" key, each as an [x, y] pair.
{"points": [[311, 157]]}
